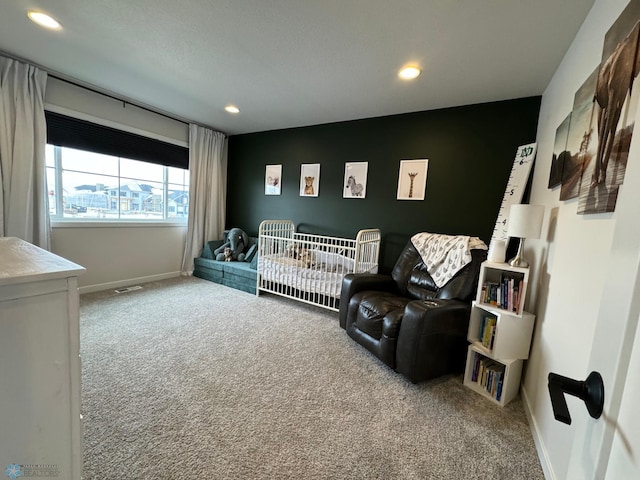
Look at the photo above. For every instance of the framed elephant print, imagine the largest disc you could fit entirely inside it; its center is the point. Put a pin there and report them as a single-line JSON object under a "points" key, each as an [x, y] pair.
{"points": [[273, 180], [615, 101], [412, 179]]}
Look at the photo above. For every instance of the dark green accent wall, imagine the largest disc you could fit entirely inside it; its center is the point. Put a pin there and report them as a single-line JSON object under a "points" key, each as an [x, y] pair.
{"points": [[470, 151]]}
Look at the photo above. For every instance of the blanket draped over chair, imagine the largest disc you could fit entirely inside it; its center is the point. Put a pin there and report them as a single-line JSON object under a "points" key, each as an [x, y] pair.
{"points": [[445, 255]]}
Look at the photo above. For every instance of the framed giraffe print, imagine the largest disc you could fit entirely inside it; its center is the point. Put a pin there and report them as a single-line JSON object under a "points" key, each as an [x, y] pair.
{"points": [[412, 179]]}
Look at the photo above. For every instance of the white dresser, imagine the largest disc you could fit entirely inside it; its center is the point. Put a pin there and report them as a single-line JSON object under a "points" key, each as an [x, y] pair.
{"points": [[40, 424]]}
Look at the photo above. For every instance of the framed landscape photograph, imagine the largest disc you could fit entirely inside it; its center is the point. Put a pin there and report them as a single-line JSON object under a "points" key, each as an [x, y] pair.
{"points": [[412, 179], [309, 179], [355, 180], [273, 180]]}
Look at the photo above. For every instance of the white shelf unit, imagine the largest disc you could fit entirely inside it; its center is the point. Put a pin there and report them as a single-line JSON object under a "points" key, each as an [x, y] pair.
{"points": [[512, 333], [499, 338], [493, 273], [510, 379]]}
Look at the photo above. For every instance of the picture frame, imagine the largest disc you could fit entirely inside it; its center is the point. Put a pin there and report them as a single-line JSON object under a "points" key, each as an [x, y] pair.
{"points": [[355, 179], [579, 148], [412, 179], [309, 179], [560, 153], [603, 174], [273, 180]]}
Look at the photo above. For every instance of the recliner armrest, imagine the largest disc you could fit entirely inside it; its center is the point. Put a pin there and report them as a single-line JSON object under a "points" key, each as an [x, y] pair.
{"points": [[432, 338], [353, 283], [437, 316]]}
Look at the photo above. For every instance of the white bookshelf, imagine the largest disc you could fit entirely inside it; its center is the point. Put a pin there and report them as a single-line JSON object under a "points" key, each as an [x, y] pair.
{"points": [[499, 333]]}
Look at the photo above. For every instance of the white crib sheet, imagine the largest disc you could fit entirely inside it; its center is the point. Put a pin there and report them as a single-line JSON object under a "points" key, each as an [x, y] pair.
{"points": [[323, 277]]}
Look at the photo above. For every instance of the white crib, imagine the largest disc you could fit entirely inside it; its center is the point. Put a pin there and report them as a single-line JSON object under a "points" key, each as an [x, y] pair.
{"points": [[309, 267]]}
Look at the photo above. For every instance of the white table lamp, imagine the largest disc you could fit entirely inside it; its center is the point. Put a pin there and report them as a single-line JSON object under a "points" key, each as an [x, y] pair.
{"points": [[525, 221]]}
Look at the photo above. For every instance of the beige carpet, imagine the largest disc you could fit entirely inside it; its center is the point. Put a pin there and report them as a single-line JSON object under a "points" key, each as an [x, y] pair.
{"points": [[187, 379]]}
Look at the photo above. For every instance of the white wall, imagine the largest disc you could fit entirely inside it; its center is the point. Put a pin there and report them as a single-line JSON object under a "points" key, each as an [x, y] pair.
{"points": [[118, 255], [571, 262], [89, 105]]}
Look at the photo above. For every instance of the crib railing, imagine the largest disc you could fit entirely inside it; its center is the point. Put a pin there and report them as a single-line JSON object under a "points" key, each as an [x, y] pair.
{"points": [[310, 267], [367, 250]]}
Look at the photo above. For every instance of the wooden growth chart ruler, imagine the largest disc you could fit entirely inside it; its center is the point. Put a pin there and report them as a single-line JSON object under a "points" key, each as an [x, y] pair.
{"points": [[515, 188]]}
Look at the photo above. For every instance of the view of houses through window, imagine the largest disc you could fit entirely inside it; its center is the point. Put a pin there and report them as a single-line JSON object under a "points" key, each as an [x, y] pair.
{"points": [[87, 185]]}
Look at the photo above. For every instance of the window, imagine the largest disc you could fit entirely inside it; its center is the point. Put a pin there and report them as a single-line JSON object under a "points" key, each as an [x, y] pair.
{"points": [[94, 186], [100, 173]]}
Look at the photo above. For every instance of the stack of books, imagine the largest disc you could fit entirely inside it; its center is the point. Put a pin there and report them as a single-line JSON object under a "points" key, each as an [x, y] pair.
{"points": [[504, 294], [488, 374], [487, 331]]}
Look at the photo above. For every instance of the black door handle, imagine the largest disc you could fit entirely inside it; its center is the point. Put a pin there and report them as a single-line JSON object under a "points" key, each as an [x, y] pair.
{"points": [[591, 391]]}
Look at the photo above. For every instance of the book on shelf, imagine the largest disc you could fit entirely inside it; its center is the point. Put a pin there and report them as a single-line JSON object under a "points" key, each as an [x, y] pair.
{"points": [[483, 371], [476, 367], [479, 365], [494, 378], [499, 389]]}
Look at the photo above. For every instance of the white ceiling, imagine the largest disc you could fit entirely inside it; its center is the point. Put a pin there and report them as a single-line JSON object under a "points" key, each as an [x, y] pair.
{"points": [[288, 63]]}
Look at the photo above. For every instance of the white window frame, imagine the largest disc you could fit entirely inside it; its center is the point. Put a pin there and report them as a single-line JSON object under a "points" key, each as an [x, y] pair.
{"points": [[58, 220]]}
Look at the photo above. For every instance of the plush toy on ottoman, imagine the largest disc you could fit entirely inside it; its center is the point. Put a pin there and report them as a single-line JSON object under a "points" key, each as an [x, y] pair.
{"points": [[237, 241]]}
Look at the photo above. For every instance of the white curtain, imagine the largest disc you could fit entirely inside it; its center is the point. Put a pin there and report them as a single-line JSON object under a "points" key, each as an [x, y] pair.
{"points": [[207, 191], [24, 210]]}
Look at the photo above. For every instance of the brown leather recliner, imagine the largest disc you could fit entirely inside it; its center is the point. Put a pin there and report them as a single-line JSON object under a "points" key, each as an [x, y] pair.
{"points": [[416, 328]]}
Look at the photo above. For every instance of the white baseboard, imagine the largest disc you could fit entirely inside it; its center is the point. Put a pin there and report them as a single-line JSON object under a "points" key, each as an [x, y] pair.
{"points": [[542, 452], [125, 283]]}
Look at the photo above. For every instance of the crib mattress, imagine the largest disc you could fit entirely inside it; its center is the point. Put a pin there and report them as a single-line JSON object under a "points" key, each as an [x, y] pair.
{"points": [[323, 276]]}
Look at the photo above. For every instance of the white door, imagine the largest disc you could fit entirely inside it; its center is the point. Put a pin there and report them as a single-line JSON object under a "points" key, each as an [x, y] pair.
{"points": [[624, 461], [609, 448]]}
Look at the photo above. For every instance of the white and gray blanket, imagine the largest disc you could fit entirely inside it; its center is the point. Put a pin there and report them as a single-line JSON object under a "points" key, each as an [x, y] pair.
{"points": [[445, 255]]}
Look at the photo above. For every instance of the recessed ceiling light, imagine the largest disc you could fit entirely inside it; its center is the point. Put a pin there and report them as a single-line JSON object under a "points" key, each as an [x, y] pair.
{"points": [[44, 20], [232, 109], [409, 73]]}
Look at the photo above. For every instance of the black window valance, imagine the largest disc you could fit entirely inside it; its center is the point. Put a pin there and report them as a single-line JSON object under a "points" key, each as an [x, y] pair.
{"points": [[71, 132]]}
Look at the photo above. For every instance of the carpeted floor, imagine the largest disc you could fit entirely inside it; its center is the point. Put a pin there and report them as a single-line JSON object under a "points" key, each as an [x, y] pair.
{"points": [[187, 379]]}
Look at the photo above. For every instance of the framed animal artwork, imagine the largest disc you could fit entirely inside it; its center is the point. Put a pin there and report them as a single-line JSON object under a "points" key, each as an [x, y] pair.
{"points": [[355, 180], [309, 179], [615, 101], [412, 179], [273, 180]]}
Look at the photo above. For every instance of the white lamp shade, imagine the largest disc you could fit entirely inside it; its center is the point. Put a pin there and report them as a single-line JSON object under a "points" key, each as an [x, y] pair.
{"points": [[525, 221]]}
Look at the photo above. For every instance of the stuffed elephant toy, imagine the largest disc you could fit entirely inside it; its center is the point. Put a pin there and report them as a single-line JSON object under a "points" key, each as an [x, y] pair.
{"points": [[237, 241]]}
